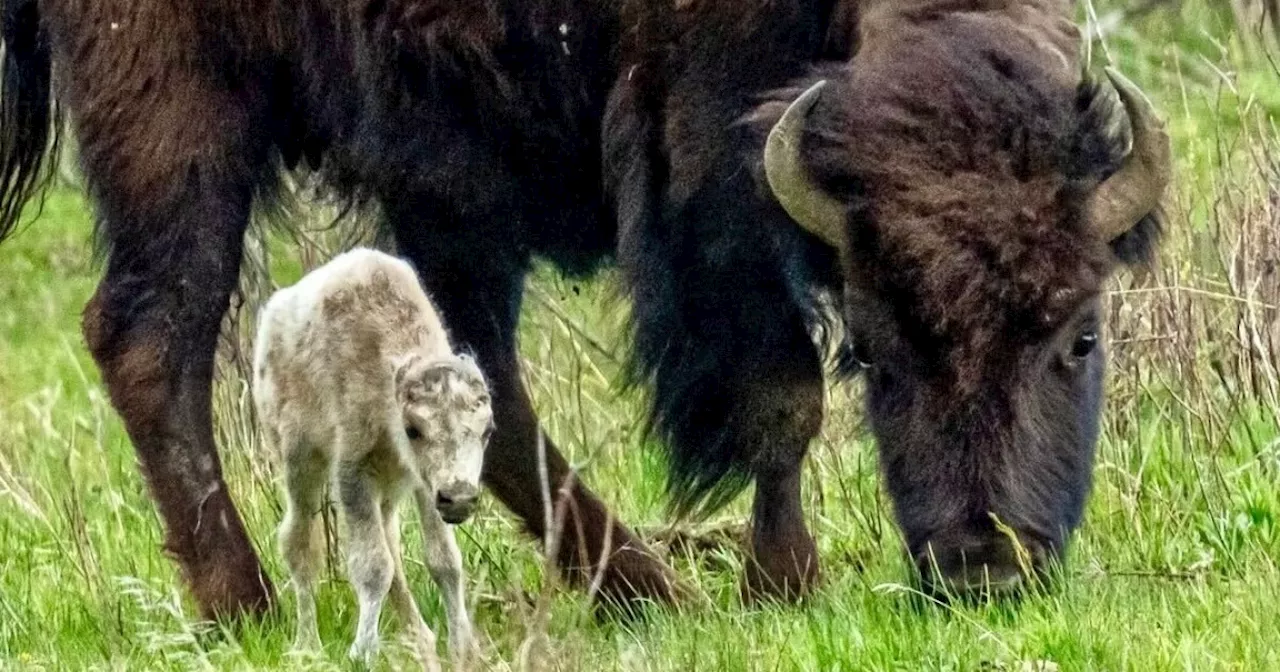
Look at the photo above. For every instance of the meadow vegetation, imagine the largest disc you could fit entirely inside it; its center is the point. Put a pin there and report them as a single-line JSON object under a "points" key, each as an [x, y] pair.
{"points": [[1176, 567]]}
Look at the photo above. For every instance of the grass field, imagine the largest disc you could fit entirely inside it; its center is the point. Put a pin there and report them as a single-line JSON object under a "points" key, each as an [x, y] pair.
{"points": [[1176, 567]]}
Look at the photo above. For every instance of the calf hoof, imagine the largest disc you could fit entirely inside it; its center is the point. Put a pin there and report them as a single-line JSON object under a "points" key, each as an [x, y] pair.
{"points": [[431, 663], [781, 575], [305, 643], [363, 653], [464, 652], [422, 643], [467, 658]]}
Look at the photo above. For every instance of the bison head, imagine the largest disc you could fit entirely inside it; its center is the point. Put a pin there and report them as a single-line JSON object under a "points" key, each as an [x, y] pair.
{"points": [[978, 194]]}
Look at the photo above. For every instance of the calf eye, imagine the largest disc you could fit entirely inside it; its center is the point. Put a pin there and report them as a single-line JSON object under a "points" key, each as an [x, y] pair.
{"points": [[1084, 345], [412, 432]]}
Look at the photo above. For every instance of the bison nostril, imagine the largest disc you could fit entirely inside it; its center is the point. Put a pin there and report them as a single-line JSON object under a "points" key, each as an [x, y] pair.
{"points": [[991, 565]]}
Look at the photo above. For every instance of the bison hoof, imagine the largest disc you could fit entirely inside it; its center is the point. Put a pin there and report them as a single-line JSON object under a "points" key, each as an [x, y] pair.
{"points": [[635, 579], [230, 592], [780, 577]]}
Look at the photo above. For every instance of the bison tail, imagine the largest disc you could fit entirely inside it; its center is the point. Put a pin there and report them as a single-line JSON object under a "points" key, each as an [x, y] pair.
{"points": [[27, 136]]}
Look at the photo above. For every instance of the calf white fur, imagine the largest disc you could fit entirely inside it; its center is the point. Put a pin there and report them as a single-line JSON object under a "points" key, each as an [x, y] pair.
{"points": [[357, 384]]}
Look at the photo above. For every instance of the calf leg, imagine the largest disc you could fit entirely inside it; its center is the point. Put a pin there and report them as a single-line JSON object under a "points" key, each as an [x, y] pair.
{"points": [[300, 534], [369, 562], [424, 640], [444, 560], [476, 281]]}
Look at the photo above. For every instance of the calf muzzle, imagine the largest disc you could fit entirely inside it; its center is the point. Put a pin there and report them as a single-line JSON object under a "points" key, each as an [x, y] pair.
{"points": [[457, 501]]}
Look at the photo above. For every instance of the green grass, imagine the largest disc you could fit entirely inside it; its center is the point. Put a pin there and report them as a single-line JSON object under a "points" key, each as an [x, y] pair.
{"points": [[1176, 567]]}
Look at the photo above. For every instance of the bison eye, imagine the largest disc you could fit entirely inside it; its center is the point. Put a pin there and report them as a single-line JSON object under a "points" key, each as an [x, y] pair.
{"points": [[412, 432], [861, 356], [1084, 345]]}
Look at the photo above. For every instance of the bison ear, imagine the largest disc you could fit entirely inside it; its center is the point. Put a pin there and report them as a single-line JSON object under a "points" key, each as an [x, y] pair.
{"points": [[1137, 246], [841, 40], [1124, 210]]}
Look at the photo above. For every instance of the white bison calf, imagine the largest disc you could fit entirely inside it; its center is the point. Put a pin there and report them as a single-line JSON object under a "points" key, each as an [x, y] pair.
{"points": [[355, 381]]}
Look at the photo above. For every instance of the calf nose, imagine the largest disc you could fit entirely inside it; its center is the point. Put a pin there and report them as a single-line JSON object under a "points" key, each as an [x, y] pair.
{"points": [[456, 501], [990, 565]]}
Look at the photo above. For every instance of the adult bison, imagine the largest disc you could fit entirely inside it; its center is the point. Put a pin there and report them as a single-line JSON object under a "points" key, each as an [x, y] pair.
{"points": [[956, 181]]}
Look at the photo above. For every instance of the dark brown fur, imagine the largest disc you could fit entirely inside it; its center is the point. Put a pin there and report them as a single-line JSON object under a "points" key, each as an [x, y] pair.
{"points": [[497, 131], [966, 153], [973, 201]]}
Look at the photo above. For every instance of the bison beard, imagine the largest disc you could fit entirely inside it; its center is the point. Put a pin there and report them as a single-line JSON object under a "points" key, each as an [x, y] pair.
{"points": [[494, 132]]}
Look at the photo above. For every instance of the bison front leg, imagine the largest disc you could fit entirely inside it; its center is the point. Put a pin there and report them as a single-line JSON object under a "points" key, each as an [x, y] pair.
{"points": [[778, 416], [476, 280], [152, 327], [172, 173], [592, 546], [737, 387]]}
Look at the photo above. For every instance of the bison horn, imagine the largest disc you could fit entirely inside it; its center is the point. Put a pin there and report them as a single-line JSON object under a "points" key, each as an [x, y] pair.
{"points": [[1135, 189], [806, 202]]}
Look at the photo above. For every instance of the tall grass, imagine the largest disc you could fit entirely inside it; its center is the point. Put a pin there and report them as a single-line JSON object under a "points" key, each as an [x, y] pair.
{"points": [[1176, 566]]}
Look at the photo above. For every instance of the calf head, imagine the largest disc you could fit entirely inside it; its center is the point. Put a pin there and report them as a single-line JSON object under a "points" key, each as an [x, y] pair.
{"points": [[978, 194], [448, 419]]}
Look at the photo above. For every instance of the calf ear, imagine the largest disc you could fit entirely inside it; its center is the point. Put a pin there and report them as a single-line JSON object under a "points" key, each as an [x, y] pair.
{"points": [[467, 360], [470, 365], [402, 369], [417, 379], [432, 381], [437, 371], [419, 382]]}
